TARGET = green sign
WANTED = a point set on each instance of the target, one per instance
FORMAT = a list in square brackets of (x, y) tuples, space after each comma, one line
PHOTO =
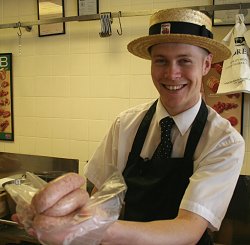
[(6, 101)]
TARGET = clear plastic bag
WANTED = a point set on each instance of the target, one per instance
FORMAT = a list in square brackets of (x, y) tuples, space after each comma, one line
[(85, 229)]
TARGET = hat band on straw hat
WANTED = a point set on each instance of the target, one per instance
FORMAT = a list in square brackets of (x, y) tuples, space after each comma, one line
[(180, 28), (180, 25)]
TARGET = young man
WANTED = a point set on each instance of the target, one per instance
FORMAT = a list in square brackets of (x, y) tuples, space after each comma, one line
[(182, 195), (175, 194)]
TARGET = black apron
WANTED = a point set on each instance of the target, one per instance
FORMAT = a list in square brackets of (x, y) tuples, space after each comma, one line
[(155, 188)]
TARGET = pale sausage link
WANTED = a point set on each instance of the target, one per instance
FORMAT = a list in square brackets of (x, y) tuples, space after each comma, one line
[(55, 190), (69, 203), (48, 223)]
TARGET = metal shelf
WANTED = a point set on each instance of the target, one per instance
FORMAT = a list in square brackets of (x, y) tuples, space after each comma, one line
[(207, 8)]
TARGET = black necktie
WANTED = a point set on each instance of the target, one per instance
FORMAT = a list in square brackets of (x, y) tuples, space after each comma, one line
[(164, 149)]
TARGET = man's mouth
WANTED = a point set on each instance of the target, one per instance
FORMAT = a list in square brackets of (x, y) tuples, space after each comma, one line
[(173, 87)]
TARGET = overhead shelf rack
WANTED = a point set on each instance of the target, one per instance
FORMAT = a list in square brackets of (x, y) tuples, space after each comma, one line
[(208, 8)]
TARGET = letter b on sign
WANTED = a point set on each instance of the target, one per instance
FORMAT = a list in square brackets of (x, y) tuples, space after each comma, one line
[(3, 61)]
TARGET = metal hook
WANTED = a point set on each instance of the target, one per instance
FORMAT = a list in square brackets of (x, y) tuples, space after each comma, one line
[(28, 28), (119, 32), (19, 28)]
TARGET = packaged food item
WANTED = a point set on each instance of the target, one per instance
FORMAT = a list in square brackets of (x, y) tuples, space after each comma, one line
[(235, 76), (213, 83), (83, 226)]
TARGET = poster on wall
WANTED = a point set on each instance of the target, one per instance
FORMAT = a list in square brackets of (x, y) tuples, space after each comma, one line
[(229, 106), (87, 7), (49, 10), (6, 102)]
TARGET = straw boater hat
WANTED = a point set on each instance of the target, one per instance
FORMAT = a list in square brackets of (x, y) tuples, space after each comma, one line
[(180, 26)]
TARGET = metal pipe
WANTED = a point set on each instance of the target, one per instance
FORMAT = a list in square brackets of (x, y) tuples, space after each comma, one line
[(208, 8)]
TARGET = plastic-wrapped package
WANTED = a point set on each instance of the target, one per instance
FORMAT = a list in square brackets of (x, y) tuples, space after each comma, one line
[(80, 227), (235, 76)]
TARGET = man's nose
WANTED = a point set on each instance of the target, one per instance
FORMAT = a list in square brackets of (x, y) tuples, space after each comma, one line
[(172, 72)]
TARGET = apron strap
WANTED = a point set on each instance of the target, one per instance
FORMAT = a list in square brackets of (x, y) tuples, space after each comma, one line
[(142, 132), (196, 130)]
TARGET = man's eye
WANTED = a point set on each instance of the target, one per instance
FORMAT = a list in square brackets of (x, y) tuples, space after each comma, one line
[(160, 62), (185, 61)]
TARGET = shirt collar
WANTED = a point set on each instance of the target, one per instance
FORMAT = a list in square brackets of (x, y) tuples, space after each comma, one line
[(184, 120)]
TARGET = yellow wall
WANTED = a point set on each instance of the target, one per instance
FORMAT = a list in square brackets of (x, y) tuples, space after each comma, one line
[(68, 88)]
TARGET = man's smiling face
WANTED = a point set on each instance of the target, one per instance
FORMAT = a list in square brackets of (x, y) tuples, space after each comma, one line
[(177, 70)]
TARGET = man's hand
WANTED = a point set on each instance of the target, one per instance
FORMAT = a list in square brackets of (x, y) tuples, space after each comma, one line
[(54, 208)]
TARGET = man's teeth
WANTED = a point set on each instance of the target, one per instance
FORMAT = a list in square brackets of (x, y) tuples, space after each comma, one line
[(174, 87)]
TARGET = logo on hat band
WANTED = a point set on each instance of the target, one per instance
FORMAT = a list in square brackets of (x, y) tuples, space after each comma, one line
[(180, 28), (165, 28)]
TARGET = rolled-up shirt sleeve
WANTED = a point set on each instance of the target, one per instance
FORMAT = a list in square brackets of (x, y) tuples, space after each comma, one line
[(214, 179)]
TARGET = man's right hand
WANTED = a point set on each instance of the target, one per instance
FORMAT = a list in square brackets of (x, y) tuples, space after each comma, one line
[(54, 208)]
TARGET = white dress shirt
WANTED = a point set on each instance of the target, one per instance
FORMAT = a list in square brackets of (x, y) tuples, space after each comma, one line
[(217, 160)]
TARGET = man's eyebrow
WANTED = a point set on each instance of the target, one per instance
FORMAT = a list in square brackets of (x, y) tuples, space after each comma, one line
[(158, 55), (178, 56), (185, 55)]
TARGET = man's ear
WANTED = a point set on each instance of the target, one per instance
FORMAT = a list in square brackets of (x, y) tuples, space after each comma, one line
[(207, 64)]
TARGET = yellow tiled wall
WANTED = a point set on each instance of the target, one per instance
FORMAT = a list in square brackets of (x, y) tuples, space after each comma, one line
[(68, 88)]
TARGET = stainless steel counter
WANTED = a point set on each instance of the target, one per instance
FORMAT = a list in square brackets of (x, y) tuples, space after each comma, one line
[(12, 164)]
